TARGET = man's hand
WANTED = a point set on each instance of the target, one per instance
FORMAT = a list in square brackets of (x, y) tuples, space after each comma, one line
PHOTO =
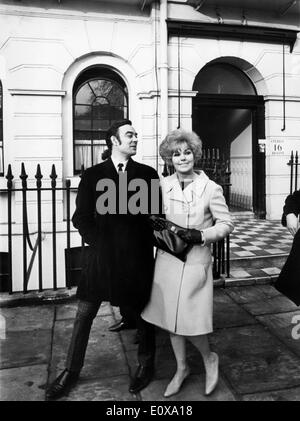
[(190, 236), (292, 223)]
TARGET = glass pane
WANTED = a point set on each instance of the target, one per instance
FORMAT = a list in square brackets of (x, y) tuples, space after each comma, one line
[(118, 113), (100, 124), (101, 87), (223, 79), (102, 111), (116, 96), (83, 118), (83, 124), (85, 135), (83, 111), (84, 95)]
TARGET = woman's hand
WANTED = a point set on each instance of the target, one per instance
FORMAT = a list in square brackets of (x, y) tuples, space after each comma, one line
[(156, 223), (190, 236), (292, 223)]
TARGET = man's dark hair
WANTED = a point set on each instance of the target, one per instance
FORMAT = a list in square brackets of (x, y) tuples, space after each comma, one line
[(114, 131)]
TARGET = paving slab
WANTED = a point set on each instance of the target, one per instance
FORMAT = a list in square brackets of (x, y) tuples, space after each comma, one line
[(104, 356), (286, 326), (253, 360), (278, 395), (25, 348), (253, 293), (227, 313), (192, 390), (277, 304), (23, 383), (111, 389), (28, 318), (68, 311)]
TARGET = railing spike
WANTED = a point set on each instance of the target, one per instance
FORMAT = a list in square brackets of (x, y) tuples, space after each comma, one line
[(9, 176), (38, 176), (53, 174), (23, 175)]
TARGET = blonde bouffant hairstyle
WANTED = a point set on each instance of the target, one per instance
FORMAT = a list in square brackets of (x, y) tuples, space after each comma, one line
[(175, 138)]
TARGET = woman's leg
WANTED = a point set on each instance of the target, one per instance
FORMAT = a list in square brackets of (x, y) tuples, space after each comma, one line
[(178, 345), (210, 359)]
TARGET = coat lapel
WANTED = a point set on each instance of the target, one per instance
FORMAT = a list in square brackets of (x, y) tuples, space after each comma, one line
[(131, 169), (196, 188), (110, 170)]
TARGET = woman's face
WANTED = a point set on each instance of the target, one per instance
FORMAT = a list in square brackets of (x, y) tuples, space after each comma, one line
[(183, 159)]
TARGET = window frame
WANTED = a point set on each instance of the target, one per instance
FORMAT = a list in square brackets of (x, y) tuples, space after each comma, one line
[(92, 74)]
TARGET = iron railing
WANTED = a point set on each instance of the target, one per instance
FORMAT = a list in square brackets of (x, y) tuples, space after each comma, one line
[(294, 163), (6, 272), (74, 256)]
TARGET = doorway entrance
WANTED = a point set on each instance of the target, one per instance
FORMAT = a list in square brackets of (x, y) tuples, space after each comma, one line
[(228, 116)]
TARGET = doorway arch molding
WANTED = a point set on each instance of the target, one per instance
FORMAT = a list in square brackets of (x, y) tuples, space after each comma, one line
[(246, 67)]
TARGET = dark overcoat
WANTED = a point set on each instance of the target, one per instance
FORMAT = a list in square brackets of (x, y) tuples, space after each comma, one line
[(288, 282), (120, 259)]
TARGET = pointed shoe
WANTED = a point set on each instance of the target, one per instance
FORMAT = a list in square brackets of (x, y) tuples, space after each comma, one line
[(212, 373), (174, 387), (62, 385)]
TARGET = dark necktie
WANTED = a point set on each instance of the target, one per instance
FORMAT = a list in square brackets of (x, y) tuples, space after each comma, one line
[(120, 167)]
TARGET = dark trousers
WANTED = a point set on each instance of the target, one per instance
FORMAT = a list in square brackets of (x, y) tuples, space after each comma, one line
[(85, 315)]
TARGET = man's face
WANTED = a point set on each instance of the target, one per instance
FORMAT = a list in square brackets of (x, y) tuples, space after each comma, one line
[(126, 141)]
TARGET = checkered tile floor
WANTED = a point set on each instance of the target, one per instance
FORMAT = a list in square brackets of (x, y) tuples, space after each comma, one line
[(256, 238)]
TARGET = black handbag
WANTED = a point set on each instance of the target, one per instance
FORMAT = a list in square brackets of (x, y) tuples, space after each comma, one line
[(168, 240)]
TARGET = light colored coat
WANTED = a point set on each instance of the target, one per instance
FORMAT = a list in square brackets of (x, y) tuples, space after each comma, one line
[(182, 292)]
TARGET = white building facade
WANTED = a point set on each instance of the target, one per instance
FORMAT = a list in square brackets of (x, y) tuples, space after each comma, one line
[(68, 69)]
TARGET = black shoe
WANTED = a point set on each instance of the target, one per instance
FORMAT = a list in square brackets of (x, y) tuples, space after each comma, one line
[(62, 385), (142, 378), (121, 325)]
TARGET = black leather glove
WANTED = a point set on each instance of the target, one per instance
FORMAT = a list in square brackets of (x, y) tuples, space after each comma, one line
[(190, 236), (156, 223)]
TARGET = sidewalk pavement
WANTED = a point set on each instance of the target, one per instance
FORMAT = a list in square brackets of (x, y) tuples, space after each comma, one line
[(253, 334)]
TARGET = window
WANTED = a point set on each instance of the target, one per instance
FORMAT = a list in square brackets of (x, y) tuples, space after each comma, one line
[(1, 132), (99, 98)]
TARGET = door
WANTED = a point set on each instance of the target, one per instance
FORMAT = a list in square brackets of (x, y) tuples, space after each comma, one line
[(233, 125)]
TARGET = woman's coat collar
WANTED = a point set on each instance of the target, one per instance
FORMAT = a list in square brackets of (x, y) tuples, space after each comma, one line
[(173, 189)]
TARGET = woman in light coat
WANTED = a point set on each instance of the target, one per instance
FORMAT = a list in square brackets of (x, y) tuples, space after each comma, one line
[(182, 293)]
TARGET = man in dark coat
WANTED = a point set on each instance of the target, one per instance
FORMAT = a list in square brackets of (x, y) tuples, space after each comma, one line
[(288, 282), (120, 260)]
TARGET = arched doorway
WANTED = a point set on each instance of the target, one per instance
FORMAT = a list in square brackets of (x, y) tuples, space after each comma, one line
[(100, 97), (228, 115)]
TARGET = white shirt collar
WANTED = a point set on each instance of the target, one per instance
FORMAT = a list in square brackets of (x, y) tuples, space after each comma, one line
[(117, 162)]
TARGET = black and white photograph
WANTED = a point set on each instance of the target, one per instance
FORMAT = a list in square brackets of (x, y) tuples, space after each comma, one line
[(149, 203)]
